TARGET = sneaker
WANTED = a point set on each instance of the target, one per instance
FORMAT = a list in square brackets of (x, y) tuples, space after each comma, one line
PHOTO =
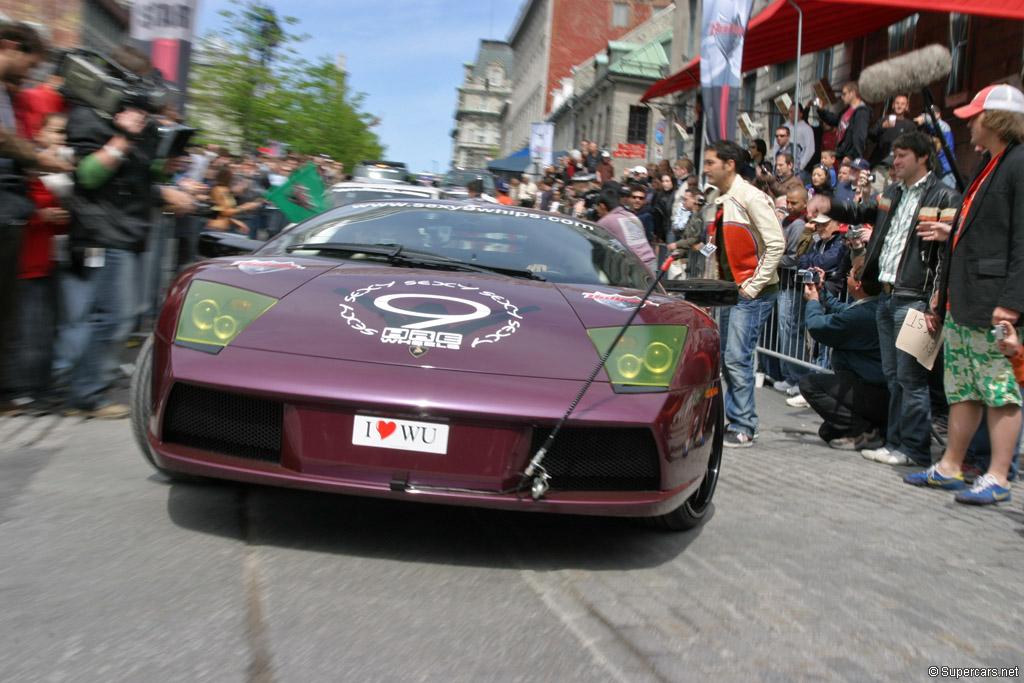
[(869, 441), (733, 439), (113, 411), (933, 478), (844, 443), (986, 491), (897, 458), (797, 401), (782, 386), (793, 391)]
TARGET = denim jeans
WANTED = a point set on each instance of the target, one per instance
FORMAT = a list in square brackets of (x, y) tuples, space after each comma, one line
[(103, 311), (740, 328), (910, 413)]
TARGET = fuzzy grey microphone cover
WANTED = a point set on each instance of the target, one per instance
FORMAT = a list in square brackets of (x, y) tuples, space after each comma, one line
[(905, 74)]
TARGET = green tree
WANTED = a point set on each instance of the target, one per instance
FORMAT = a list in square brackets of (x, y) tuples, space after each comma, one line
[(324, 118), (241, 78), (253, 81)]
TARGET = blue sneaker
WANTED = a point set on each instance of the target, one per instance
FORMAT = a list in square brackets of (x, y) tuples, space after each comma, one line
[(986, 491), (932, 478)]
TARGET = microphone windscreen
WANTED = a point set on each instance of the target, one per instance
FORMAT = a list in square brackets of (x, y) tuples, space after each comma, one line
[(905, 74)]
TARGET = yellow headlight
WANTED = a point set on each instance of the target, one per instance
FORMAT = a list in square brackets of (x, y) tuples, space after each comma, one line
[(215, 314), (204, 313), (647, 355), (629, 366), (658, 358)]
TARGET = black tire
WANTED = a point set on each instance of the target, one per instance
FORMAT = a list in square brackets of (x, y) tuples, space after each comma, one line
[(142, 407), (695, 508)]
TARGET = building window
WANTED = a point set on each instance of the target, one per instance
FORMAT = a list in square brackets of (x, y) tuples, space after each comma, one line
[(620, 15), (783, 70), (749, 93), (901, 34), (636, 133), (959, 32), (495, 75), (823, 64)]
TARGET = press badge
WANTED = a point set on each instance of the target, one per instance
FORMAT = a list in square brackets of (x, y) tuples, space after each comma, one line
[(94, 257), (708, 249)]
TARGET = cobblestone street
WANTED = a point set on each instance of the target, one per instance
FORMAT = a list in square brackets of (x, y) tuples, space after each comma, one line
[(815, 565)]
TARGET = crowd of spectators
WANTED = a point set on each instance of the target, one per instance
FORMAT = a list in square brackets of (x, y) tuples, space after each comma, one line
[(835, 245)]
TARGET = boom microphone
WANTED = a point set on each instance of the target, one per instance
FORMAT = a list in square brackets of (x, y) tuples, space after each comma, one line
[(905, 74)]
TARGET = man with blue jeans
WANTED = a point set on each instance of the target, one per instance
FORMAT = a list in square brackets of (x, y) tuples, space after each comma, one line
[(903, 260), (745, 245), (110, 221)]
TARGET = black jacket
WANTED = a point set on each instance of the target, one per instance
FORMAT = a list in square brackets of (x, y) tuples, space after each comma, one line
[(987, 267), (118, 214), (856, 136), (916, 270)]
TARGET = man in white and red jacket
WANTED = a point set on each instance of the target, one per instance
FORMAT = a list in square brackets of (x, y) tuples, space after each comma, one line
[(745, 245)]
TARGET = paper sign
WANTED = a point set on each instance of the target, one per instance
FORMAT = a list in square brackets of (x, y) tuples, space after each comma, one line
[(915, 339)]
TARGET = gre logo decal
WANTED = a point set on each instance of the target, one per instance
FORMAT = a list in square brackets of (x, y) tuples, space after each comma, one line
[(433, 319)]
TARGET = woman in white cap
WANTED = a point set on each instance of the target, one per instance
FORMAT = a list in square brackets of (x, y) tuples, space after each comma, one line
[(980, 285)]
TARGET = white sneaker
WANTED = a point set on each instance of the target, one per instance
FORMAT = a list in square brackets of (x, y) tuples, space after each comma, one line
[(783, 387), (794, 391), (797, 401), (895, 458), (876, 454)]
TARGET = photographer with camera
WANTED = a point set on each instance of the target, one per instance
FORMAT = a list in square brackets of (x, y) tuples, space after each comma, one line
[(904, 264), (853, 401), (111, 214)]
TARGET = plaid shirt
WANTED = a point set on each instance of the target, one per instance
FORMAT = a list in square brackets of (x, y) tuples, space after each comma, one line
[(899, 227)]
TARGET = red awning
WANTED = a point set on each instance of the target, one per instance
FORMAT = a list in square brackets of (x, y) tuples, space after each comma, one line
[(772, 34)]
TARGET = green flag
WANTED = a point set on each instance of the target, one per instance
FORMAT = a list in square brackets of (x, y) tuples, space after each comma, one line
[(301, 196)]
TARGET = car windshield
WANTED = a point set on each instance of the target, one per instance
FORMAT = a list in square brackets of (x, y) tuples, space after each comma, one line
[(558, 248), (350, 195), (460, 178)]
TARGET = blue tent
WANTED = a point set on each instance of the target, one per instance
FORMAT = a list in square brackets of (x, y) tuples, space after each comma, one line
[(513, 163)]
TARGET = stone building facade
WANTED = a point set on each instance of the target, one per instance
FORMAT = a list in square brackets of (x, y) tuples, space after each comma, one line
[(484, 93), (548, 39)]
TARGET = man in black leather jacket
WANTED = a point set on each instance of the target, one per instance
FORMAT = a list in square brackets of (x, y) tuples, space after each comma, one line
[(904, 264)]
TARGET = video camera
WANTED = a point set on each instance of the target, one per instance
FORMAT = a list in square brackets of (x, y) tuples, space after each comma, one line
[(97, 81)]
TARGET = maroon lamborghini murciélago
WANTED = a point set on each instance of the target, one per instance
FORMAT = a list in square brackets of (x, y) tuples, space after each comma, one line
[(426, 350)]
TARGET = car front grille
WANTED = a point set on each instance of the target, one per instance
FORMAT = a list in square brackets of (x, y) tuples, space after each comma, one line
[(217, 421), (600, 459)]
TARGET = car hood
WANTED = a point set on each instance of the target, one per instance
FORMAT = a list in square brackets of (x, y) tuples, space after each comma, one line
[(426, 318)]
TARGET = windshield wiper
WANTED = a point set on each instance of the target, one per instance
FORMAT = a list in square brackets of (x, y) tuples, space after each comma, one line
[(397, 255)]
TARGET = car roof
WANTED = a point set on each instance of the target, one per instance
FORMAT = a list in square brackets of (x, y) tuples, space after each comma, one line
[(409, 188)]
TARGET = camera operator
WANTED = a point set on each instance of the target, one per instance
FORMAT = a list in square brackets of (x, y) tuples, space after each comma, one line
[(853, 402), (586, 193), (904, 264), (111, 213), (20, 50)]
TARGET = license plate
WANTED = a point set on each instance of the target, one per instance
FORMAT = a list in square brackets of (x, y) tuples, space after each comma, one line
[(403, 435)]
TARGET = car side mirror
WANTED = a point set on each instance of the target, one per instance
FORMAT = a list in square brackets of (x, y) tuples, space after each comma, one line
[(213, 244), (706, 293)]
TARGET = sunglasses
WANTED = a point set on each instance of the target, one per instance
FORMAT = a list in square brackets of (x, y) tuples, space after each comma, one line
[(639, 196)]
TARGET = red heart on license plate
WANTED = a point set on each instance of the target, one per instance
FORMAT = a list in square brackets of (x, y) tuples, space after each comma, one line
[(386, 429)]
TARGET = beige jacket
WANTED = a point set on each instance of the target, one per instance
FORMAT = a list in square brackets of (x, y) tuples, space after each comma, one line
[(753, 237)]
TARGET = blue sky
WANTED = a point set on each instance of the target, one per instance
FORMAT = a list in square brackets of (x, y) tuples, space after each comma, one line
[(405, 55)]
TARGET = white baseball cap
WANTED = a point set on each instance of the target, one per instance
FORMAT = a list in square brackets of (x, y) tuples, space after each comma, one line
[(640, 169), (999, 97)]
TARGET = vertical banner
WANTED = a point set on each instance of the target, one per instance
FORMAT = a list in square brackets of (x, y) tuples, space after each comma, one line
[(542, 138), (724, 27), (164, 29)]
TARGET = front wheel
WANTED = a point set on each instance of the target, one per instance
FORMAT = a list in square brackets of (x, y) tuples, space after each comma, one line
[(695, 508), (142, 406)]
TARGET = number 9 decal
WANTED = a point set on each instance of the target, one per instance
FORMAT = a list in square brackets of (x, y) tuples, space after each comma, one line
[(433, 319)]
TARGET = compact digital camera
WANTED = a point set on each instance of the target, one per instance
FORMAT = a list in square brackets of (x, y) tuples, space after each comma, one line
[(808, 277)]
